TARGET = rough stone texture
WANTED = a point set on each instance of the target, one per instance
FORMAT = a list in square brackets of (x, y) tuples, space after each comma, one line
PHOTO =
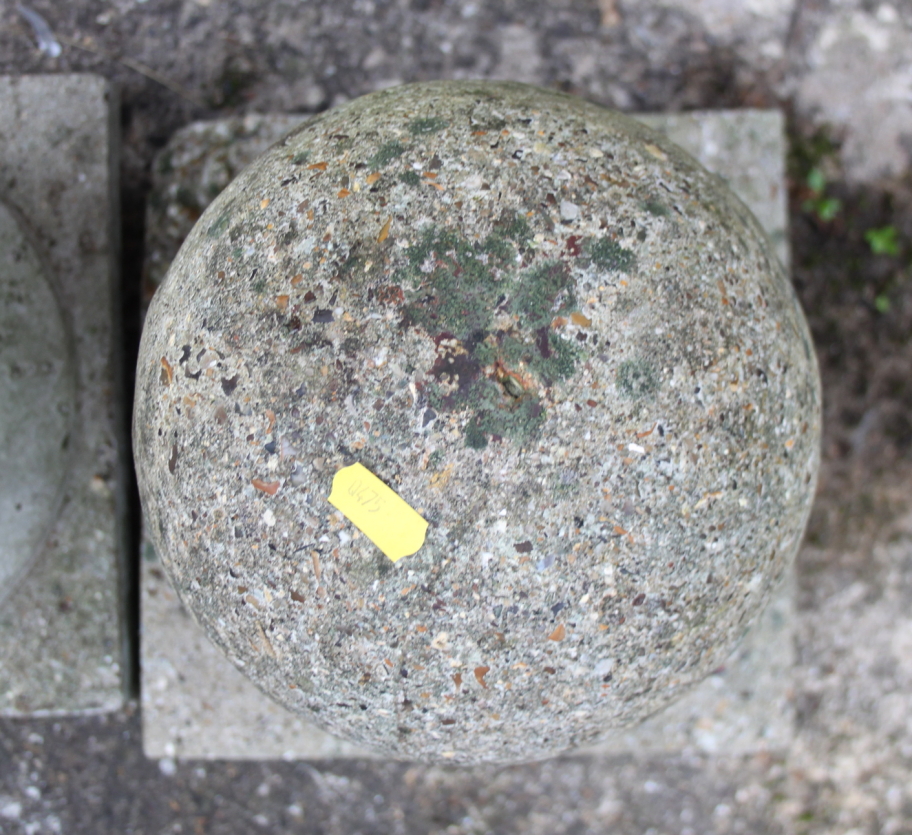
[(848, 770), (61, 644), (747, 149), (193, 169), (37, 391), (758, 30), (196, 705), (613, 479), (857, 82), (844, 65), (745, 706)]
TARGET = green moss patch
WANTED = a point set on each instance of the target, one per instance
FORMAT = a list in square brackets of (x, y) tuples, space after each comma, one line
[(457, 286), (220, 225), (637, 378), (456, 290), (423, 127), (385, 155), (610, 255), (656, 208), (544, 292)]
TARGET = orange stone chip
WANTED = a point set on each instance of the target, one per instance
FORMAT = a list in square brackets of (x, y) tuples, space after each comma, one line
[(559, 633), (270, 487)]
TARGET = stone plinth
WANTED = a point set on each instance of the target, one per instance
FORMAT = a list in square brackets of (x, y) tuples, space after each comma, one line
[(699, 722), (37, 402), (62, 645)]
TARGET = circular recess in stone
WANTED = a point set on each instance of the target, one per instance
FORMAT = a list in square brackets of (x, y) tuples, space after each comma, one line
[(37, 401), (558, 339)]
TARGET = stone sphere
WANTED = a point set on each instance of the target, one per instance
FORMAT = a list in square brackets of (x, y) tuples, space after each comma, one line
[(558, 339)]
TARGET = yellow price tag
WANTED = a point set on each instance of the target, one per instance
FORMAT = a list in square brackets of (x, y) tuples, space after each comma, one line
[(378, 512)]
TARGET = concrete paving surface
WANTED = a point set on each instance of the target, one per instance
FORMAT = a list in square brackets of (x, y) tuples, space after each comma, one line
[(841, 71)]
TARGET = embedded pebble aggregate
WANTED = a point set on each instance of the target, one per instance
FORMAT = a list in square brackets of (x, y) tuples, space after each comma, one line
[(552, 333)]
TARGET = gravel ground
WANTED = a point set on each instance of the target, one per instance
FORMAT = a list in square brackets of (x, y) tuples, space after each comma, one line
[(842, 72)]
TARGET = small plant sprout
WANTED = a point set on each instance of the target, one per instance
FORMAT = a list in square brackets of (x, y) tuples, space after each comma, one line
[(825, 208), (883, 241)]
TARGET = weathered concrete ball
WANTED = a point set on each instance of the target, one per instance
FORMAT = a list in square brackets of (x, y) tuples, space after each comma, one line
[(560, 341)]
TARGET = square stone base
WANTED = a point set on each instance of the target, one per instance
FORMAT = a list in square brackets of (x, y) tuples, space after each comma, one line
[(197, 705), (62, 643)]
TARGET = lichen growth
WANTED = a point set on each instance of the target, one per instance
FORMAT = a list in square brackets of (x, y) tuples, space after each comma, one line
[(494, 416), (220, 225), (457, 287), (517, 420), (423, 127), (637, 378), (610, 255), (656, 208), (475, 437), (545, 291), (515, 227), (385, 155), (562, 362)]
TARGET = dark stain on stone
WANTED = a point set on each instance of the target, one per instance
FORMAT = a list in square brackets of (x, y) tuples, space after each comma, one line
[(228, 386), (542, 340), (389, 294)]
